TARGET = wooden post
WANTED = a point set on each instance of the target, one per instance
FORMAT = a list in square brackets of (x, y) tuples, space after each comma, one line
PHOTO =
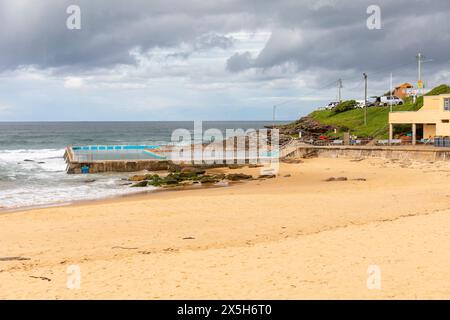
[(346, 138), (391, 133)]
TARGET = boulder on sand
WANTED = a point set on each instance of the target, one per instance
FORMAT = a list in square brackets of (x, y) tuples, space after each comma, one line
[(220, 176), (208, 179), (192, 170), (170, 181), (267, 176), (235, 166), (238, 176), (140, 184), (252, 165), (142, 177), (336, 179), (137, 178), (191, 173)]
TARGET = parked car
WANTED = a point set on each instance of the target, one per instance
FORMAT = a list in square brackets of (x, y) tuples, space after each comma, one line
[(388, 100), (360, 103), (373, 101)]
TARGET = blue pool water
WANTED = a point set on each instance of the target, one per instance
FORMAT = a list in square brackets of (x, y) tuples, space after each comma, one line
[(104, 148), (116, 152)]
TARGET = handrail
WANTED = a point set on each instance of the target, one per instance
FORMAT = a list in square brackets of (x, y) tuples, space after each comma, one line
[(373, 134)]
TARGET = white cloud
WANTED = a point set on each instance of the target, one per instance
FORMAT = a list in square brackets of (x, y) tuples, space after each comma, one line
[(284, 99), (73, 83), (5, 109), (171, 56)]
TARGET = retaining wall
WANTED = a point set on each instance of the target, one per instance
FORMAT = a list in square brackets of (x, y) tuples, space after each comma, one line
[(425, 154)]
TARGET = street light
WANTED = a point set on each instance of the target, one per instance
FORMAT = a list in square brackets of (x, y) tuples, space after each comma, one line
[(365, 98), (275, 106), (273, 116), (420, 61)]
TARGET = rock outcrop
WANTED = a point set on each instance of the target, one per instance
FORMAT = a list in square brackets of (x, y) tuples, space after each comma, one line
[(185, 177), (309, 127)]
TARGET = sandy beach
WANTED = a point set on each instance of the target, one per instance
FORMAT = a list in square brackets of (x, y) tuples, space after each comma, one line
[(297, 236)]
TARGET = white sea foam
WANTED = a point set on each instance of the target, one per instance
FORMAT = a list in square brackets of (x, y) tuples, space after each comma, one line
[(43, 180)]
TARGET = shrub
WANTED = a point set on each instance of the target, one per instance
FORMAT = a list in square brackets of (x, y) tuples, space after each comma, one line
[(345, 106), (442, 89)]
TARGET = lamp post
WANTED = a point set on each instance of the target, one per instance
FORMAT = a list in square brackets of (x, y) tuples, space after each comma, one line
[(365, 98), (390, 94), (420, 60), (273, 116)]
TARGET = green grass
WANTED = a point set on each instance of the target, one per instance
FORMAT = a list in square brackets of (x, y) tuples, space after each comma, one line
[(377, 117), (353, 120)]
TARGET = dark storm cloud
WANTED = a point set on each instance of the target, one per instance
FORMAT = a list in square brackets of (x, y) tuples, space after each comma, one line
[(239, 62), (35, 33), (203, 43), (208, 41), (333, 35), (323, 34)]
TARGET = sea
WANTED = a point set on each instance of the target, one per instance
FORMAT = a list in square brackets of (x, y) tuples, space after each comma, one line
[(33, 171)]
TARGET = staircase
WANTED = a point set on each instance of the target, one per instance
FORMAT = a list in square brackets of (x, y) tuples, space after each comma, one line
[(289, 147)]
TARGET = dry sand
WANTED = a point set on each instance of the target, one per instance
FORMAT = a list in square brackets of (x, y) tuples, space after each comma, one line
[(295, 237)]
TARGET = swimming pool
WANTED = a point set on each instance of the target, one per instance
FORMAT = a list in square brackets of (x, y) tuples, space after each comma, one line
[(118, 152), (152, 152)]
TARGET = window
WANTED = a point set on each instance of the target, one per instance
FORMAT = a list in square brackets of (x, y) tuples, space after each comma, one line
[(447, 104), (445, 121)]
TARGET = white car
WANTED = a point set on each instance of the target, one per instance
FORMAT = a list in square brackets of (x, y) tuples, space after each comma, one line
[(388, 100), (360, 103), (373, 101)]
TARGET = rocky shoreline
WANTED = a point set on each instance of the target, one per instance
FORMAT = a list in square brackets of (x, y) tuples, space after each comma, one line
[(310, 128), (190, 176)]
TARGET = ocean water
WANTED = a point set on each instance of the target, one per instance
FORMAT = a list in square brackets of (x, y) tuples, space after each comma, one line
[(32, 168)]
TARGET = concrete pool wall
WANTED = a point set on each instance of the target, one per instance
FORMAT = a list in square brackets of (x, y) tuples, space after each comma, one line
[(125, 158), (100, 160)]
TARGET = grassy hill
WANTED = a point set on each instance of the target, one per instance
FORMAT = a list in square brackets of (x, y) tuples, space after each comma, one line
[(377, 117)]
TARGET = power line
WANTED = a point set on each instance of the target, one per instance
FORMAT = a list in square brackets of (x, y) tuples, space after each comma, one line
[(390, 68), (339, 82), (365, 98)]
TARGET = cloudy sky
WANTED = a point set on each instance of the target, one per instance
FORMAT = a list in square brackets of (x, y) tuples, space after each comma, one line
[(209, 60)]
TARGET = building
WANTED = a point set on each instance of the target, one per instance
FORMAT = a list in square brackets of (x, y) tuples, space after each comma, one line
[(433, 119), (403, 90)]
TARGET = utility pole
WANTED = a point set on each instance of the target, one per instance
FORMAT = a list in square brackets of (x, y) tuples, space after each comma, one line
[(420, 60), (419, 74), (273, 116), (365, 98), (390, 93), (419, 70), (339, 89)]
